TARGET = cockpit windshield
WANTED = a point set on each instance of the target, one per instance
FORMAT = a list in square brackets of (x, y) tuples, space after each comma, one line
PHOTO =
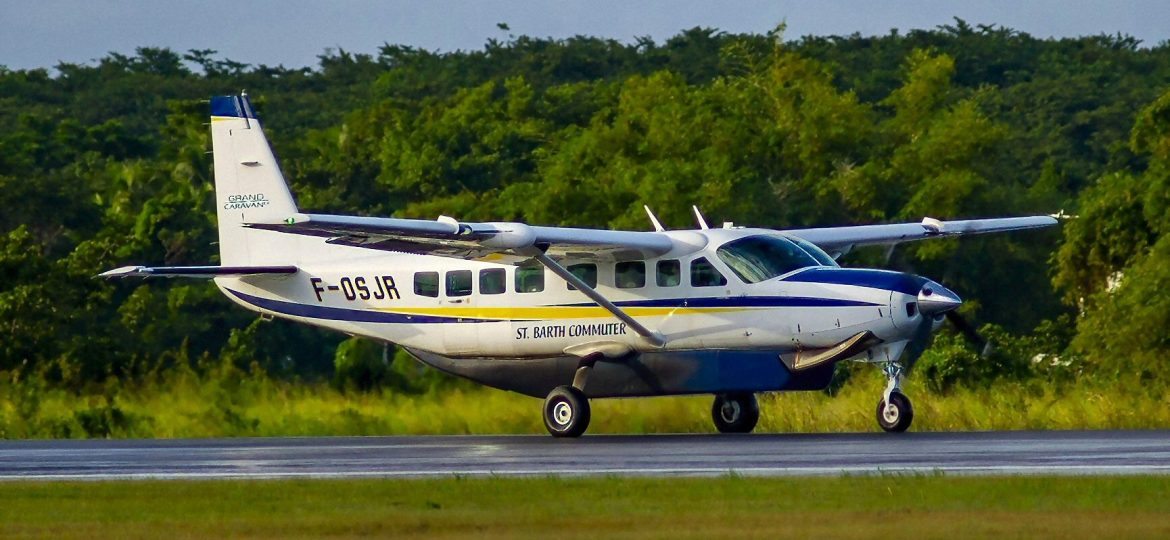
[(816, 252), (758, 258)]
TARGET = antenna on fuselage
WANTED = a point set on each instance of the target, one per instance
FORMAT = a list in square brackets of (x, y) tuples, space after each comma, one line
[(653, 219), (699, 217)]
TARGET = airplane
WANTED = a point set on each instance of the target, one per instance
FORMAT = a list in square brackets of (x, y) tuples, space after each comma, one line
[(573, 314)]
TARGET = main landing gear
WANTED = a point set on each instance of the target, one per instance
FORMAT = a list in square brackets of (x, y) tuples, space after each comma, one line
[(894, 412), (735, 413), (566, 409), (566, 412)]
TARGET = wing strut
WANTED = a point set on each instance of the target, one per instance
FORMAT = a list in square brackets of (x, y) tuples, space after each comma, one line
[(654, 338)]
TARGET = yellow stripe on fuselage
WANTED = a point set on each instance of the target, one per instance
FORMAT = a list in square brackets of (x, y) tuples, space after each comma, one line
[(552, 312)]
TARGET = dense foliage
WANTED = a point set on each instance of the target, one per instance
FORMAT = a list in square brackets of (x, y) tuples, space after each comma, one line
[(103, 165)]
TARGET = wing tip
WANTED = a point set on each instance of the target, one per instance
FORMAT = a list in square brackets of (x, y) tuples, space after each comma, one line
[(124, 271)]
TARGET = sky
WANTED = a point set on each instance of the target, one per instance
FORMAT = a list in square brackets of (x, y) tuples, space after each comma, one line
[(293, 33)]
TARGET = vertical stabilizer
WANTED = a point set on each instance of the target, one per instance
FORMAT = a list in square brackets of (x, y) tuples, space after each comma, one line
[(249, 187)]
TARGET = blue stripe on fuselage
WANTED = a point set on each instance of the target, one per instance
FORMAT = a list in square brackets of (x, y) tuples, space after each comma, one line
[(343, 314), (361, 315), (741, 301), (873, 279)]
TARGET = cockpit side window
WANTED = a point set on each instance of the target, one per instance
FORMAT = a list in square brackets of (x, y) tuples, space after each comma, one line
[(704, 274), (758, 258)]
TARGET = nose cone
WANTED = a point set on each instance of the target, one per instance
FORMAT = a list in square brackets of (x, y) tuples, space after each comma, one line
[(934, 299)]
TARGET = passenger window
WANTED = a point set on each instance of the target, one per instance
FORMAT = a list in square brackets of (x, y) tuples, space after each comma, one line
[(704, 274), (529, 279), (629, 274), (669, 273), (426, 284), (459, 283), (492, 281), (586, 272)]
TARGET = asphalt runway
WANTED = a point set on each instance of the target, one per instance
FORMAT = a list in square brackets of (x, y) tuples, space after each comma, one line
[(985, 453)]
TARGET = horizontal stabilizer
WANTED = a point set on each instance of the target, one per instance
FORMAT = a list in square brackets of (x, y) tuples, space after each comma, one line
[(195, 271)]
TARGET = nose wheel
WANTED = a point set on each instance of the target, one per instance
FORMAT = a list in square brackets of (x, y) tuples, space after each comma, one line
[(894, 412), (735, 413), (566, 412)]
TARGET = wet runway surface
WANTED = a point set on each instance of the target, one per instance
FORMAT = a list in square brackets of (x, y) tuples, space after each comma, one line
[(986, 453)]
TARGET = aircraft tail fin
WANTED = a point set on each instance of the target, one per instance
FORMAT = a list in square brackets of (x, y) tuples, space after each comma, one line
[(249, 187)]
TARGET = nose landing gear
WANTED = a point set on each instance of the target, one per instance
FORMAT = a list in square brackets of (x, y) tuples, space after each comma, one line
[(735, 412), (894, 412)]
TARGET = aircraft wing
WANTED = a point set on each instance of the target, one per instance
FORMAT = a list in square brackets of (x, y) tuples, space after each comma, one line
[(841, 239), (494, 240)]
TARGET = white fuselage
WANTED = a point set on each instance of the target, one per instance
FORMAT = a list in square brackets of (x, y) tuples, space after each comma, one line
[(423, 302)]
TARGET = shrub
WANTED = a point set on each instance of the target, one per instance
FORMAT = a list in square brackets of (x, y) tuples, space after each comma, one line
[(361, 364)]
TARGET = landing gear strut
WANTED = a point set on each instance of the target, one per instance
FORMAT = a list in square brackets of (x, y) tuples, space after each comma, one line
[(894, 412), (735, 412)]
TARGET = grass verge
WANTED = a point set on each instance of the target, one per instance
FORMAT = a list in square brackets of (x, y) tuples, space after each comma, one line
[(259, 406), (725, 507)]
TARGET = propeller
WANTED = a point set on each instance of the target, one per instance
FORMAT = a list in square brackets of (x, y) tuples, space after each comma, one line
[(918, 343), (968, 330), (933, 306)]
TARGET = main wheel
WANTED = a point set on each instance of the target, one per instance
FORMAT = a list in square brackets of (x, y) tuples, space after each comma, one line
[(895, 417), (735, 413), (566, 412)]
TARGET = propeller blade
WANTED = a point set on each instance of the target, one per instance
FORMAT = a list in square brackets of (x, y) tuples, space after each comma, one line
[(968, 330), (918, 344)]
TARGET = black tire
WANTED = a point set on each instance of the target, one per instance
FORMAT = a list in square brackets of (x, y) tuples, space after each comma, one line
[(566, 412), (735, 413), (897, 418)]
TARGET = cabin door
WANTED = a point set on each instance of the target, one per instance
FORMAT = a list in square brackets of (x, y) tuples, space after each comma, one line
[(460, 337)]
